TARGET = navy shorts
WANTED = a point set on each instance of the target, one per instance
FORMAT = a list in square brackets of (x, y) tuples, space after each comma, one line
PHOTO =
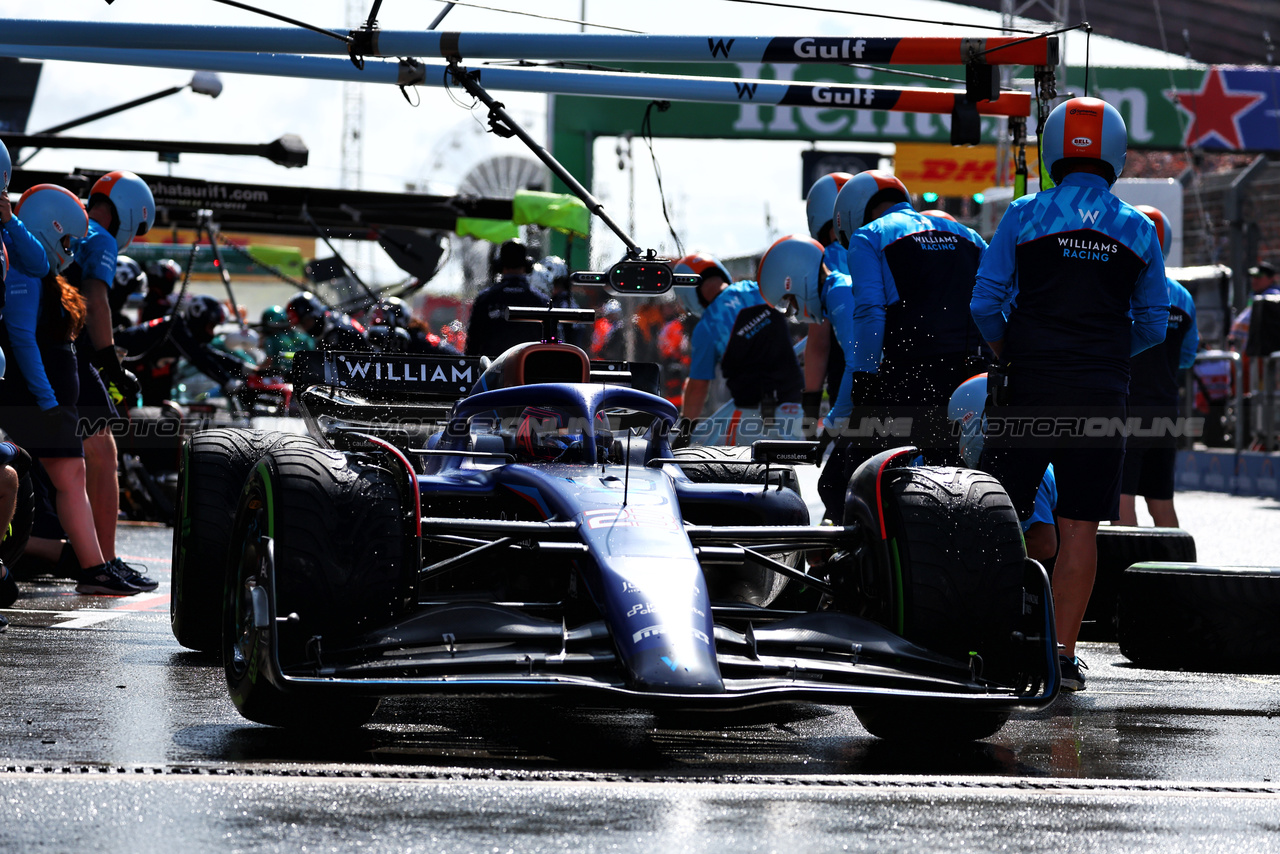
[(43, 434), (1149, 472), (95, 405), (1079, 430)]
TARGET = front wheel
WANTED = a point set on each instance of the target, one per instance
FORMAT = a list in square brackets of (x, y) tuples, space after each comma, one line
[(320, 561)]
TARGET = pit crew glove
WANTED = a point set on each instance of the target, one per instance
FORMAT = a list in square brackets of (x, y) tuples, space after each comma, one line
[(121, 384), (863, 389)]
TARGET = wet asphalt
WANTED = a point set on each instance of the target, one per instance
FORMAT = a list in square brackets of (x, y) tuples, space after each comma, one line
[(114, 738)]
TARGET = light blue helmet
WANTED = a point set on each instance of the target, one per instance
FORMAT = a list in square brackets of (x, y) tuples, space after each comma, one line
[(967, 408), (855, 197), (135, 207), (790, 277), (821, 201), (4, 264), (6, 168), (53, 215), (1084, 129), (698, 264)]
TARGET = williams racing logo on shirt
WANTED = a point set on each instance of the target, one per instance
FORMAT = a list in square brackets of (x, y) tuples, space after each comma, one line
[(1087, 250), (936, 241)]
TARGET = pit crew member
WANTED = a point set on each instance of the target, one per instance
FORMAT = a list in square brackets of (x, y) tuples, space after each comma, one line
[(331, 330), (1071, 289), (743, 335), (488, 333), (1151, 452), (163, 341)]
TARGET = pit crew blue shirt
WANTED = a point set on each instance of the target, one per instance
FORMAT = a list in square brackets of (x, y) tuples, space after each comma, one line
[(1154, 372), (25, 252), (1046, 500), (95, 256), (1074, 283), (711, 334), (22, 314), (907, 292)]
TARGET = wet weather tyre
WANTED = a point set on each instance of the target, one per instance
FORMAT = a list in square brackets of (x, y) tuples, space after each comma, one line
[(335, 569), (15, 539), (931, 725), (1218, 619), (1120, 547), (212, 471), (719, 464), (957, 559)]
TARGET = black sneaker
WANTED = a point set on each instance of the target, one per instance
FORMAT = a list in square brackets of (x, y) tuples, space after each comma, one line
[(8, 587), (1072, 673), (104, 580), (132, 576)]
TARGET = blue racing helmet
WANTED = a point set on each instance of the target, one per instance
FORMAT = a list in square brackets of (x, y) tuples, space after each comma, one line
[(54, 216), (790, 277), (859, 195), (821, 201), (1084, 129), (6, 168), (967, 408), (703, 265), (134, 206)]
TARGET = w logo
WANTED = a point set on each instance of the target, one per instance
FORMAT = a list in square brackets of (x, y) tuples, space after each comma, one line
[(1089, 217), (748, 89), (720, 46)]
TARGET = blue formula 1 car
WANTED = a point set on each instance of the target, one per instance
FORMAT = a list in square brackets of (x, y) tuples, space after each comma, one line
[(524, 529)]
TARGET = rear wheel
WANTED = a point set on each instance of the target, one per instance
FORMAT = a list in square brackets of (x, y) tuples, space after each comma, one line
[(335, 568), (212, 471), (717, 464)]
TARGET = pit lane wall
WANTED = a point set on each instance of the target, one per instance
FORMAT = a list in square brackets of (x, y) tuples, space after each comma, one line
[(1247, 473)]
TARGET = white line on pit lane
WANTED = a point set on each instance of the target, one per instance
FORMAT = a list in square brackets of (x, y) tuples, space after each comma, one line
[(92, 616)]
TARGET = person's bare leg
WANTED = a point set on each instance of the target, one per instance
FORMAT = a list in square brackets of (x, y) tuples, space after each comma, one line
[(1162, 512), (103, 487), (68, 476), (8, 496), (1073, 576), (1128, 510)]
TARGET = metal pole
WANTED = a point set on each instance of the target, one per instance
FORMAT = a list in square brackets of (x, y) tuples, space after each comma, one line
[(606, 84), (581, 46), (471, 83)]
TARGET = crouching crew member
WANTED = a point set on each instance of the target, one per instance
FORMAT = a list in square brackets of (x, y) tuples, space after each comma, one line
[(742, 334)]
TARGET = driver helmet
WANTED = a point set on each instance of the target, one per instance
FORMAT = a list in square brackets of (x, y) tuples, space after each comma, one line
[(274, 320), (202, 314), (54, 216), (392, 312), (307, 312), (967, 409), (546, 435), (1164, 229), (1084, 129), (133, 208), (790, 277), (130, 277), (163, 276), (549, 272), (612, 309), (937, 214), (821, 201), (703, 265), (859, 195)]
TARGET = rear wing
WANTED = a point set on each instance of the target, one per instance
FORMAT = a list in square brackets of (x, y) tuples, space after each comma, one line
[(436, 376)]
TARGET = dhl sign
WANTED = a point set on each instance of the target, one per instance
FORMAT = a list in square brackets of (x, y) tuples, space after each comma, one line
[(951, 171)]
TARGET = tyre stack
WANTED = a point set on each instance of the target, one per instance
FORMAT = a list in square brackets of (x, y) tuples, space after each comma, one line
[(1185, 616), (1120, 547)]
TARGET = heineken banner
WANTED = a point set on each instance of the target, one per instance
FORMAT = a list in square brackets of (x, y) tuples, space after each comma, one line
[(1220, 108)]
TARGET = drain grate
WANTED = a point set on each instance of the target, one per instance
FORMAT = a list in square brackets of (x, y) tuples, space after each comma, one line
[(1052, 784)]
